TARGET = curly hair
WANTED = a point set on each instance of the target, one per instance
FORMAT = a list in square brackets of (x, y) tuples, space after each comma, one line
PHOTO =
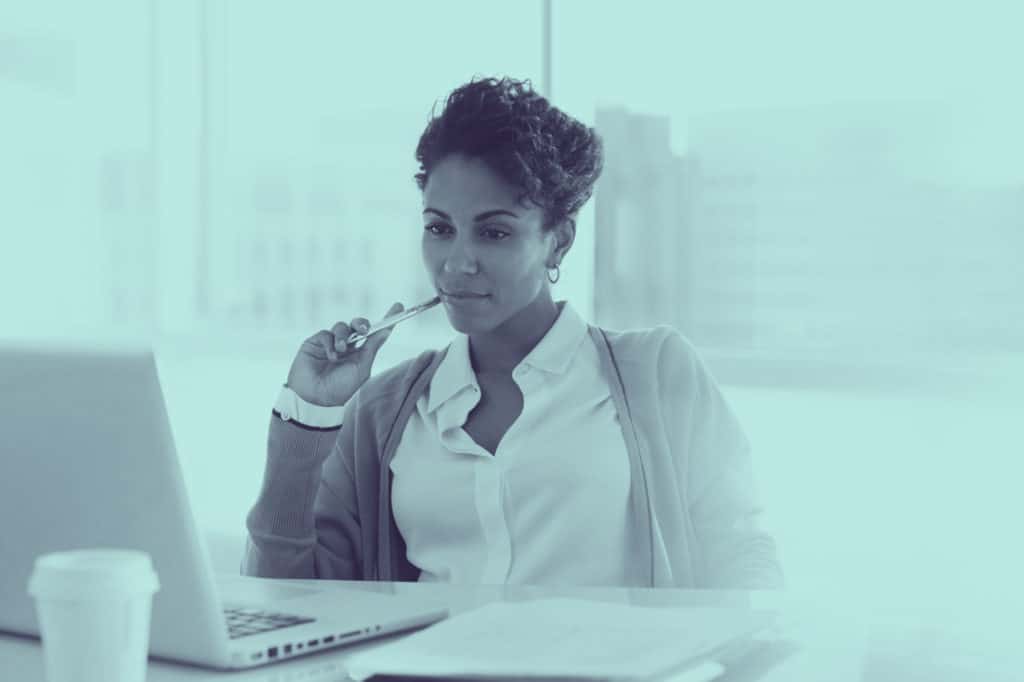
[(553, 158)]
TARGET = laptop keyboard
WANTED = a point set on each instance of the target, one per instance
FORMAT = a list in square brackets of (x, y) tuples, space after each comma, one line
[(243, 621)]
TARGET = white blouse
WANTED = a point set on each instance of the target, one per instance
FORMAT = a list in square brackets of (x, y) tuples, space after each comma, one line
[(550, 506)]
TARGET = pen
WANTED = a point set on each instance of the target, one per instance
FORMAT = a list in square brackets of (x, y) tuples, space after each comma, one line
[(392, 320)]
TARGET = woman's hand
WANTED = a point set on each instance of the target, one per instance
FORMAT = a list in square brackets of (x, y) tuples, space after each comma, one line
[(327, 371)]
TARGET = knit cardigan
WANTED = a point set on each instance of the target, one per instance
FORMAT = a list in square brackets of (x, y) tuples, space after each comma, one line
[(324, 509)]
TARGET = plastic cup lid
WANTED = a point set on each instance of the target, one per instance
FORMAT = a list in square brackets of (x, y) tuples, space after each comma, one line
[(92, 574)]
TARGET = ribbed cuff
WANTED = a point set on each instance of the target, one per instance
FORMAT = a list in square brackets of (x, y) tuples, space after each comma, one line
[(295, 457)]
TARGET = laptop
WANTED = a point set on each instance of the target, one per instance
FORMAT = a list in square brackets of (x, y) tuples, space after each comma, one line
[(89, 461)]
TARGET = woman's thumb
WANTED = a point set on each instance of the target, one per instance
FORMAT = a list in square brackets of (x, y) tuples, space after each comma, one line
[(375, 341)]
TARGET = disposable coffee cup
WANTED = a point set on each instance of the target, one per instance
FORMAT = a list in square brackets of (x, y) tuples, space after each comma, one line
[(94, 608)]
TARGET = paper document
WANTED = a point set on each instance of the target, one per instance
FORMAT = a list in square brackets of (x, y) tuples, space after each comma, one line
[(562, 638)]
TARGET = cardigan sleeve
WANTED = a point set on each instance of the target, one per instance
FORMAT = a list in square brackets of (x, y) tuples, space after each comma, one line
[(716, 477), (302, 525)]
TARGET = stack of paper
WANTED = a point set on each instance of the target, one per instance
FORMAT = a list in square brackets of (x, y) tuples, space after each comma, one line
[(562, 638)]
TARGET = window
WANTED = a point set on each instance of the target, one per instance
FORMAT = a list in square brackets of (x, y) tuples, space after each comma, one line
[(850, 230), (788, 130)]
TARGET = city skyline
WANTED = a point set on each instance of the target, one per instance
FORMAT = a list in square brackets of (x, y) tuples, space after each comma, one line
[(783, 242)]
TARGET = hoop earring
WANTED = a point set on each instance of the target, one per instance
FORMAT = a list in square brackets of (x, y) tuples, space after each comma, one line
[(558, 274)]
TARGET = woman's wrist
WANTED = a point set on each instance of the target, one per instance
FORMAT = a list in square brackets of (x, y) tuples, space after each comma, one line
[(290, 406)]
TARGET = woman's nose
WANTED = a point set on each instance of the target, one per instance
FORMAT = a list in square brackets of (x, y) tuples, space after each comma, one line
[(461, 260)]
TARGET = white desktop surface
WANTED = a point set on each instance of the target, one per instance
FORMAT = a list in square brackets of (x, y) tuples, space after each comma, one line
[(837, 641)]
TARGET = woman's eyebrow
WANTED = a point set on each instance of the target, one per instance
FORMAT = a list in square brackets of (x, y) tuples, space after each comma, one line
[(483, 216)]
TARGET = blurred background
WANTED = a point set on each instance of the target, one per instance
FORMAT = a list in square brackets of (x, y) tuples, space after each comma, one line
[(828, 199)]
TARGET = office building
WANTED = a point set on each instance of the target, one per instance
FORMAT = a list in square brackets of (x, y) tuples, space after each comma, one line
[(309, 242), (861, 247), (674, 245), (640, 223), (823, 231)]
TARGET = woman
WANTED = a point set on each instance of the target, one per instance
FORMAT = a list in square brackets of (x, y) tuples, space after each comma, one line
[(535, 448)]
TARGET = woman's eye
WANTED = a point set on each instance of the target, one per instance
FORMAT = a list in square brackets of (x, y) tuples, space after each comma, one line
[(490, 233), (495, 234)]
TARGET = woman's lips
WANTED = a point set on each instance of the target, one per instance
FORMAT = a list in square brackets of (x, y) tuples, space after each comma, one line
[(462, 298)]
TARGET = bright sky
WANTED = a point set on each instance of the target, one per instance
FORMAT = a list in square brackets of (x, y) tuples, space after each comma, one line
[(691, 58)]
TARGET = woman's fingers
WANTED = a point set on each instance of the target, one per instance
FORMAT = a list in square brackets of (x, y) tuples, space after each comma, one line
[(339, 338), (373, 343), (335, 342), (359, 325), (320, 344)]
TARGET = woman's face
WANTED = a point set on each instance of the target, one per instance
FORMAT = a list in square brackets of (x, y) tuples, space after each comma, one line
[(484, 251)]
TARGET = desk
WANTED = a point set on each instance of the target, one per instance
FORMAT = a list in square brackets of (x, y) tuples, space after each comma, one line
[(837, 641)]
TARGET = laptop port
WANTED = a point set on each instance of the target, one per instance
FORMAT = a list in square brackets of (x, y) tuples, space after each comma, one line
[(272, 652), (328, 640), (313, 642), (298, 647), (287, 649), (353, 633), (257, 656)]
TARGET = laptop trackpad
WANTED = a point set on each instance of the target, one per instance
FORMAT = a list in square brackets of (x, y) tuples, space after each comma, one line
[(259, 590)]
